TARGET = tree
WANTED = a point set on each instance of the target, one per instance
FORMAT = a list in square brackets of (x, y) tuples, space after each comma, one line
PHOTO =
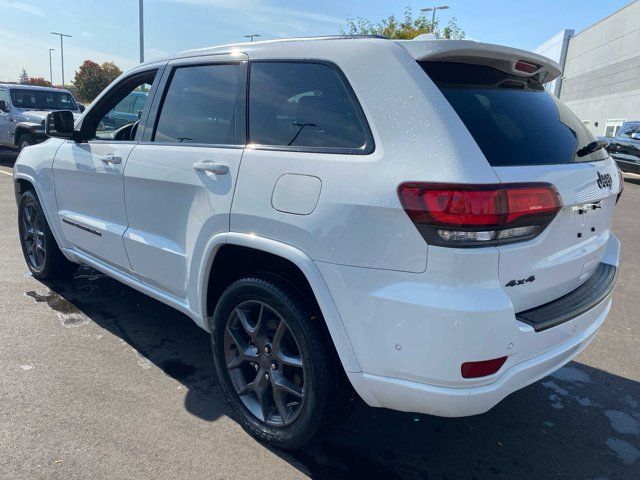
[(91, 78), (110, 71), (39, 81), (405, 28), (23, 78)]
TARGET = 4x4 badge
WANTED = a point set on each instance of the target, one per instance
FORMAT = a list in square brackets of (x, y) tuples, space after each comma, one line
[(604, 180)]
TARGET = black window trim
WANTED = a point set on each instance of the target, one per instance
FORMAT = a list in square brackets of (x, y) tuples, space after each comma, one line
[(369, 145), (149, 139)]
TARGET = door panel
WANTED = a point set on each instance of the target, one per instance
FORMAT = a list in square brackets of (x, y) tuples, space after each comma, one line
[(179, 181), (174, 209), (90, 198)]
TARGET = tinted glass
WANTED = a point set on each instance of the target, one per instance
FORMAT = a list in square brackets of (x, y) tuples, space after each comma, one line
[(302, 105), (42, 99), (200, 106), (514, 120), (629, 130), (122, 114)]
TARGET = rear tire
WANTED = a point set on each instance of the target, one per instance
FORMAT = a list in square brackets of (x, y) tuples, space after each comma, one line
[(250, 349), (39, 247)]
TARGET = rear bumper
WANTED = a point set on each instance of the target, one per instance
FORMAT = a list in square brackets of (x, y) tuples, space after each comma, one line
[(412, 332), (410, 396)]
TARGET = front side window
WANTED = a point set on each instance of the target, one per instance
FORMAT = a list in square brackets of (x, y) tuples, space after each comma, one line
[(32, 99), (201, 105), (300, 105), (120, 122), (630, 130)]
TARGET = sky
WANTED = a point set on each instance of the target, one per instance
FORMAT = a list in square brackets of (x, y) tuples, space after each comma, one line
[(107, 30)]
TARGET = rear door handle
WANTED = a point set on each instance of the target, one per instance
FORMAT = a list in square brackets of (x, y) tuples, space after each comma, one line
[(111, 158), (216, 168)]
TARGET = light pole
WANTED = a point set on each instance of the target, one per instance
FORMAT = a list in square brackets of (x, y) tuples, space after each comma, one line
[(141, 21), (61, 52), (433, 15), (50, 67), (250, 37)]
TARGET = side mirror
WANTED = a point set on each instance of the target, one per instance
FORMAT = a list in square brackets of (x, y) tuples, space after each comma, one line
[(635, 135), (3, 106), (81, 107), (59, 124)]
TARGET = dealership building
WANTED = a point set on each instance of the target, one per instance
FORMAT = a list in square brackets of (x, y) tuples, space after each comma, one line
[(601, 70)]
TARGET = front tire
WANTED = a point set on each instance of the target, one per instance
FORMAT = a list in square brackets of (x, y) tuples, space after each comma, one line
[(25, 141), (39, 247), (275, 362)]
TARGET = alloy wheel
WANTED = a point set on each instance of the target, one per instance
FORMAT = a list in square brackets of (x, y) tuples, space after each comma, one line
[(33, 236), (264, 363)]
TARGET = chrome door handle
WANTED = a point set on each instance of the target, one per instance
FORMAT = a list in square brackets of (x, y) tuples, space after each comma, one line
[(111, 158), (211, 167)]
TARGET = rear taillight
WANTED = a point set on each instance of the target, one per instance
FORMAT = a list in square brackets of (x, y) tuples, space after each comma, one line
[(475, 215), (621, 177)]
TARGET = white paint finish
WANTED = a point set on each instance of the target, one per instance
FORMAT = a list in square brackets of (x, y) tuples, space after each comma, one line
[(174, 210), (460, 401), (90, 193), (297, 194)]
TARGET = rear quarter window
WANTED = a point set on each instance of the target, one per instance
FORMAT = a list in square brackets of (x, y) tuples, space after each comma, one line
[(514, 120), (304, 106)]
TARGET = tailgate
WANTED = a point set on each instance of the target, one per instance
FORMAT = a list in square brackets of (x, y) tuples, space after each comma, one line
[(570, 249)]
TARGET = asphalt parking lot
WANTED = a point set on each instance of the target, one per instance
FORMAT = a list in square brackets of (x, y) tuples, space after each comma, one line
[(99, 381)]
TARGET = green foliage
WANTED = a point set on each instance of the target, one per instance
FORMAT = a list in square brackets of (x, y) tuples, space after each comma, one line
[(404, 29), (91, 78)]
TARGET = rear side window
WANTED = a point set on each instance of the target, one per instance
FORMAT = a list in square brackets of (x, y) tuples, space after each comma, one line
[(304, 106), (200, 106), (513, 119)]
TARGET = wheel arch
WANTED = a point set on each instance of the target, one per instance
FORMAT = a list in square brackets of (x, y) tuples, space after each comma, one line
[(282, 254)]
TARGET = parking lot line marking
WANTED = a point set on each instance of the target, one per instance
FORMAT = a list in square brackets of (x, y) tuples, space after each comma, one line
[(6, 173)]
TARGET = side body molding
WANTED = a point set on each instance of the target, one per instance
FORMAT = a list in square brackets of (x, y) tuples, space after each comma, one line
[(308, 268)]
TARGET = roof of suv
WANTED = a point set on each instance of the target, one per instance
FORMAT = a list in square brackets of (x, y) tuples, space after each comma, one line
[(423, 47), (33, 87)]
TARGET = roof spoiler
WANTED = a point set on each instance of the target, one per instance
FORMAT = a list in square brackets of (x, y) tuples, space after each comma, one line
[(509, 60)]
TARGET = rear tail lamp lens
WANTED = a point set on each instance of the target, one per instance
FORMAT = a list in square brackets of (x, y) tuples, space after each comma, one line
[(472, 215), (481, 369)]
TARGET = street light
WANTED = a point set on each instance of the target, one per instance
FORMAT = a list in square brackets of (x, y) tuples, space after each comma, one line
[(433, 14), (50, 67), (250, 37), (61, 52), (141, 21)]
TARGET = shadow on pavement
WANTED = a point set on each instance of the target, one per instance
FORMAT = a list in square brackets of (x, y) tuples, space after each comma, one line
[(7, 157), (581, 423)]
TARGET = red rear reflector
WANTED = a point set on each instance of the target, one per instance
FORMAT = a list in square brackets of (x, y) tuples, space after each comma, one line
[(481, 369), (526, 67)]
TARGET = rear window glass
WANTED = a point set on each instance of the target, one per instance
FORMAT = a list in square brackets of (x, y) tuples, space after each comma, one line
[(302, 105), (514, 120)]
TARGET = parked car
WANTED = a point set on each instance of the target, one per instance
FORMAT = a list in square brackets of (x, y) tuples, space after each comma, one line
[(409, 220), (23, 109), (126, 112), (625, 147)]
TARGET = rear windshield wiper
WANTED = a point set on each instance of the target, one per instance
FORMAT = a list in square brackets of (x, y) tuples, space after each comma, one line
[(592, 147)]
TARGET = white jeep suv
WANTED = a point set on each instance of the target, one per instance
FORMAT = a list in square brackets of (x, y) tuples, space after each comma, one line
[(418, 221)]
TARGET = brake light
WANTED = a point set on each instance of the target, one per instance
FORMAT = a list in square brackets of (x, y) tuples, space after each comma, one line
[(481, 369), (526, 67), (621, 177), (473, 215)]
